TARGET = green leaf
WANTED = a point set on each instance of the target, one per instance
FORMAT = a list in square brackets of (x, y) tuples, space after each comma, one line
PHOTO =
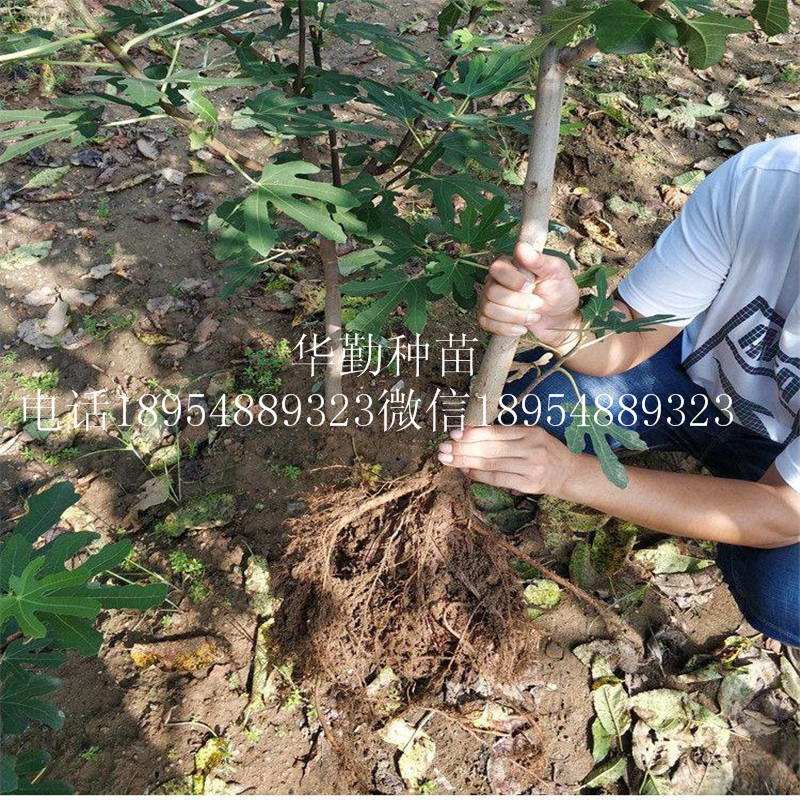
[(705, 37), (453, 277), (45, 509), (108, 557), (444, 188), (404, 104), (382, 38), (128, 596), (623, 27), (397, 289), (142, 93), (21, 703), (24, 652), (8, 775), (63, 547), (201, 108), (478, 229), (47, 177), (30, 596), (599, 431), (25, 255), (75, 125), (260, 234), (448, 18), (15, 554), (484, 75), (772, 16), (73, 633), (666, 558), (601, 741), (561, 25), (611, 706), (31, 762), (607, 773), (282, 186)]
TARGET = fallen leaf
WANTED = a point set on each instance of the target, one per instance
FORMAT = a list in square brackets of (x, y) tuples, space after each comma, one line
[(689, 181), (607, 773), (667, 558), (129, 183), (739, 689), (88, 158), (153, 492), (258, 584), (701, 777), (492, 716), (25, 255), (205, 330), (174, 176), (200, 513), (541, 594), (148, 148), (77, 298), (44, 296), (710, 164), (385, 692), (98, 272), (196, 654), (47, 177), (601, 232), (790, 680)]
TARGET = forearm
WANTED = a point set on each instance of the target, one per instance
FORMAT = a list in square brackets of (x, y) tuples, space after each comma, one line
[(695, 506), (618, 352)]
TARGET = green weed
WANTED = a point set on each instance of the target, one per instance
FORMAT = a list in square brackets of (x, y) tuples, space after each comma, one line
[(261, 373), (100, 326), (43, 381)]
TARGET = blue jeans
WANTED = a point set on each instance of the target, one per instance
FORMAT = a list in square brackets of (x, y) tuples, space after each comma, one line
[(764, 582)]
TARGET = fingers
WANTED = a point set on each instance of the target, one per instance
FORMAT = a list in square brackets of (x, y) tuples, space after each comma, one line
[(491, 433), (540, 264), (507, 275), (506, 311), (502, 480), (488, 450)]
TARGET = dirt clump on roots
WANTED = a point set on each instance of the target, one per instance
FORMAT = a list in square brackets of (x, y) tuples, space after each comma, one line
[(397, 578)]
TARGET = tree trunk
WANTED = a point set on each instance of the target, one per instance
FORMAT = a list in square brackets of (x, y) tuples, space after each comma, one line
[(538, 188)]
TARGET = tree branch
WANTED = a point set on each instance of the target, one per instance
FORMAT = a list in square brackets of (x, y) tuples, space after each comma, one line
[(372, 167), (333, 139), (570, 56), (301, 47), (79, 8)]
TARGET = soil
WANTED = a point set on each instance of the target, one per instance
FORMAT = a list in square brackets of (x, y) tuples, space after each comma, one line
[(131, 729)]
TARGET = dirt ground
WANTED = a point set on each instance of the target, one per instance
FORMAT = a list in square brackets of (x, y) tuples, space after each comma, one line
[(148, 712)]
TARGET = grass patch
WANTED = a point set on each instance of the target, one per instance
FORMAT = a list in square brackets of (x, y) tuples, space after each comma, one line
[(262, 369), (43, 381)]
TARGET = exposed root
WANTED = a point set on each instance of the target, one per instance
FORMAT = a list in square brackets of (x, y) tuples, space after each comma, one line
[(399, 579), (615, 624)]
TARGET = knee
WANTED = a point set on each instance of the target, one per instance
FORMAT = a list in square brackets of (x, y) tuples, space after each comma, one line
[(766, 587)]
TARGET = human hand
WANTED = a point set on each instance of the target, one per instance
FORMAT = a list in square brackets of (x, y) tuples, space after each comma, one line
[(550, 311), (526, 459)]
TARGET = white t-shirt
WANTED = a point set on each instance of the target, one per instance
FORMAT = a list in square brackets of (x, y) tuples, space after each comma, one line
[(729, 268)]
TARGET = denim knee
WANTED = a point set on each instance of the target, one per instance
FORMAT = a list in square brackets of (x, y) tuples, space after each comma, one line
[(766, 586)]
